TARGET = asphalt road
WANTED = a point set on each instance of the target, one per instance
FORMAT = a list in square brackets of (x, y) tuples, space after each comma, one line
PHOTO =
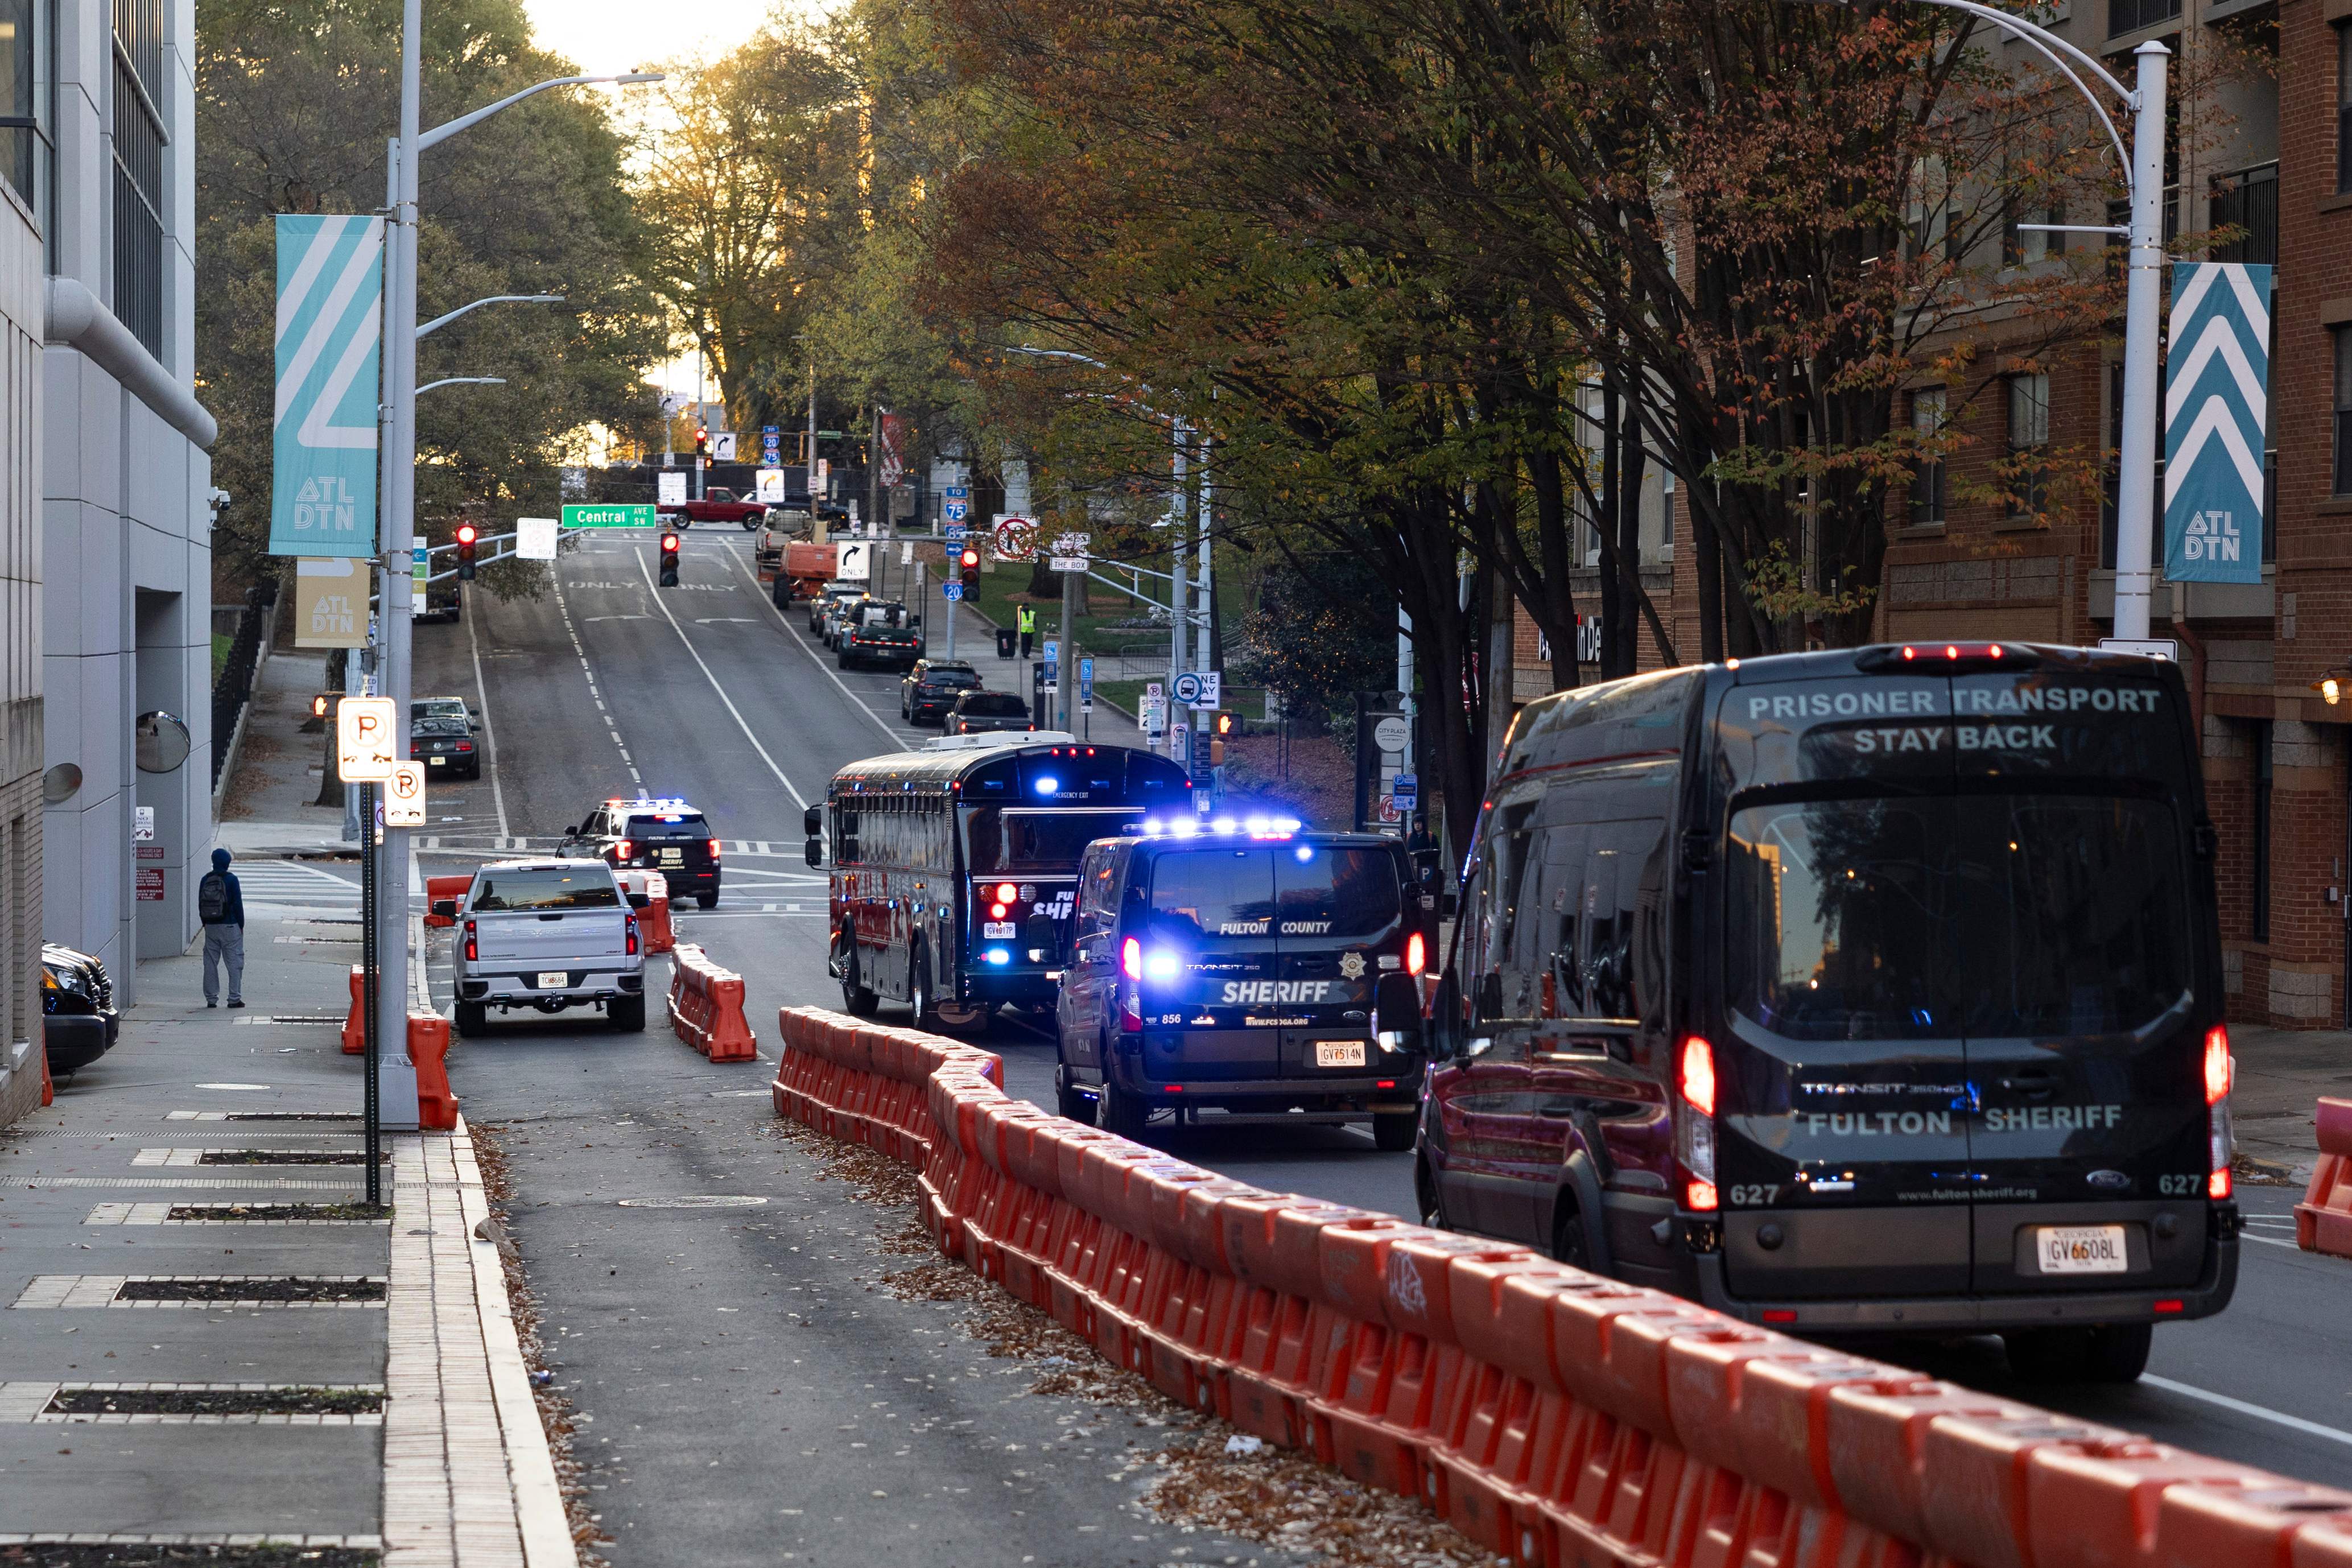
[(706, 691)]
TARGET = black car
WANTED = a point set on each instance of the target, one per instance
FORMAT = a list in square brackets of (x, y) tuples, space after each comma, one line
[(79, 1022), (441, 732), (979, 712), (881, 632), (666, 836), (1232, 966), (932, 686)]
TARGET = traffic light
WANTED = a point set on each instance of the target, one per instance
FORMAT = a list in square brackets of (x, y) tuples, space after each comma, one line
[(970, 564), (702, 445), (669, 561), (468, 538), (1217, 740)]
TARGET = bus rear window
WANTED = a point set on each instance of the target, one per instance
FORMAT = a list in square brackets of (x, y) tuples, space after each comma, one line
[(1045, 843)]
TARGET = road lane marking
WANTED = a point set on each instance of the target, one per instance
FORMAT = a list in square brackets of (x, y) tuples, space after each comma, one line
[(489, 733), (2260, 1413), (2271, 1241), (588, 670), (895, 739), (798, 799)]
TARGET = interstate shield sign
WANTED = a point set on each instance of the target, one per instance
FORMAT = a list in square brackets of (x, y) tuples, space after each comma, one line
[(329, 337), (2216, 413)]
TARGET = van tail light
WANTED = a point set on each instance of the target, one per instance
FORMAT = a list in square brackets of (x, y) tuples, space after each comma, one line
[(473, 948), (714, 850), (2220, 1069), (632, 936), (1416, 954), (1695, 1124), (1130, 1019), (1130, 959), (627, 849)]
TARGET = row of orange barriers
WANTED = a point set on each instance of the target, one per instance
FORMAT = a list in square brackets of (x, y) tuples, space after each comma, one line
[(428, 1048), (705, 1006), (2322, 1221), (1554, 1416)]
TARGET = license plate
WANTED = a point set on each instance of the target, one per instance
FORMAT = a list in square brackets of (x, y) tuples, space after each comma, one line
[(437, 762), (990, 929), (553, 980), (673, 856), (1338, 1053), (2081, 1248)]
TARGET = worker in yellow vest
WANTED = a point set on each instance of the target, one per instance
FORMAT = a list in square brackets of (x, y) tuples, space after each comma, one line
[(1028, 623)]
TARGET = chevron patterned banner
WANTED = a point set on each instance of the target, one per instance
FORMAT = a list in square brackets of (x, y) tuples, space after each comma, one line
[(2216, 412), (329, 335)]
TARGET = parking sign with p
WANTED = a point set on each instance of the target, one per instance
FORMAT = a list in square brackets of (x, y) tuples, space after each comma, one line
[(366, 739)]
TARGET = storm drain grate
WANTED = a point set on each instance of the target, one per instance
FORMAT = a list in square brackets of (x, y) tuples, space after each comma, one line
[(288, 1157), (246, 1403), (190, 1551), (291, 1115), (238, 1214), (154, 1290)]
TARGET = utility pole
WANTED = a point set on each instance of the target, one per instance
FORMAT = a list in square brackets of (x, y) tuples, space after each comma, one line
[(1066, 694), (1179, 499), (816, 522)]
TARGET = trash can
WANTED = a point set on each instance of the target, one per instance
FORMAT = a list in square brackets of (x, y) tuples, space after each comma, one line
[(1005, 638)]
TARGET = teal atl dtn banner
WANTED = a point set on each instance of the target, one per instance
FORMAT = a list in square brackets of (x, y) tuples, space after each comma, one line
[(2216, 412), (329, 338)]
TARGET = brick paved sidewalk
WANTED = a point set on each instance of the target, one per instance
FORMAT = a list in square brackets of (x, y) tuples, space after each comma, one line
[(452, 1467)]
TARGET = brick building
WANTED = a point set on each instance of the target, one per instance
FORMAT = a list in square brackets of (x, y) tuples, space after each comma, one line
[(2271, 162)]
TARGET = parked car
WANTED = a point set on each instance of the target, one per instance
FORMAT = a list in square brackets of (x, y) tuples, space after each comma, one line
[(932, 686), (979, 712), (546, 935), (79, 1022), (441, 732), (834, 609), (717, 505)]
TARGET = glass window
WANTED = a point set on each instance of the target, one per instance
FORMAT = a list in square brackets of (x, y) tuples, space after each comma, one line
[(669, 825), (2029, 435), (1335, 892), (1214, 893), (2248, 201), (2259, 850), (2342, 421), (1044, 842), (25, 147), (139, 87), (991, 705), (2130, 16), (1928, 407), (548, 887), (2344, 106), (1937, 919)]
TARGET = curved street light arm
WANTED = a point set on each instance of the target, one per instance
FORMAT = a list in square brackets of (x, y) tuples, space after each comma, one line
[(441, 133), (462, 381), (2047, 44), (439, 322)]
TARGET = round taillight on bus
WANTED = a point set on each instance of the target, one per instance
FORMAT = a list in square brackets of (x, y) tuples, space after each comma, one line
[(1006, 892), (1697, 1075)]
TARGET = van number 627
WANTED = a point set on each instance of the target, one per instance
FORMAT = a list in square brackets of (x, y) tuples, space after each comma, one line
[(2181, 1186), (1755, 1196)]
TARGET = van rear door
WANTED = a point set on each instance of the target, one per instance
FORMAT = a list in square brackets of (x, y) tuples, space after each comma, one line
[(1339, 917), (2086, 1029), (1213, 913)]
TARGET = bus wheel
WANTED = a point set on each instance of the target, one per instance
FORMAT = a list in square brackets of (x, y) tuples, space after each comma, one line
[(856, 999), (919, 1008), (1069, 1102), (1123, 1113), (1393, 1129)]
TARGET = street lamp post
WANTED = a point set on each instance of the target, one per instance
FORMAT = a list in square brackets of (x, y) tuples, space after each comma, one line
[(397, 539), (2142, 168)]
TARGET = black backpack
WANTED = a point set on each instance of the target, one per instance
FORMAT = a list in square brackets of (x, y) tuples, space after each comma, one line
[(212, 898)]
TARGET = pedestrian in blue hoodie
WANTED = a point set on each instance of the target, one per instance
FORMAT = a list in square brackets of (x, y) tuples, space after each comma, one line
[(220, 904)]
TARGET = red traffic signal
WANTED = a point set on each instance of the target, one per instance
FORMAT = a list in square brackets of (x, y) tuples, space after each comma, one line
[(669, 561), (669, 545), (468, 540), (969, 564), (467, 533)]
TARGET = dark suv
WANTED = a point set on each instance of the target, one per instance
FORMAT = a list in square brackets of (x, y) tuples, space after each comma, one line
[(979, 712), (932, 686), (79, 1022), (878, 631), (665, 836), (1233, 966)]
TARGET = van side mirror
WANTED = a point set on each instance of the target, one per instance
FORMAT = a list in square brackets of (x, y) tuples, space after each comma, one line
[(813, 821), (1396, 1014), (444, 909), (573, 832), (814, 850)]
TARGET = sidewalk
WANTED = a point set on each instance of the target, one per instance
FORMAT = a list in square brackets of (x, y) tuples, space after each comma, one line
[(2282, 1074), (391, 1421)]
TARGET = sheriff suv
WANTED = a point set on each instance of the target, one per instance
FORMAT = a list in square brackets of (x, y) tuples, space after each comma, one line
[(649, 834)]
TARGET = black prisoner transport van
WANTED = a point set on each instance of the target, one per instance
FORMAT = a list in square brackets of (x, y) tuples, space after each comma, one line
[(1870, 992), (1230, 965)]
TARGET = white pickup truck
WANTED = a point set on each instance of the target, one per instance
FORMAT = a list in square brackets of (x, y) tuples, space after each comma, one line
[(548, 934)]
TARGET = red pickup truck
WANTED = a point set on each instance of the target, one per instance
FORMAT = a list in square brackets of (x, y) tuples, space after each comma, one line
[(715, 506)]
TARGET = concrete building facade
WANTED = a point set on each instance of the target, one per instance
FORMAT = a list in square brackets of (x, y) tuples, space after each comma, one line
[(105, 521)]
